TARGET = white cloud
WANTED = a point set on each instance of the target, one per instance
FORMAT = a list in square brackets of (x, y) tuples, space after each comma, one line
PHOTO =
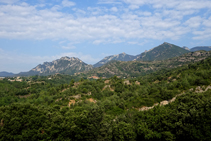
[(109, 2), (145, 13), (136, 2), (68, 47), (177, 14), (97, 10), (8, 1), (56, 7), (97, 26), (194, 22), (202, 35), (79, 11), (67, 3), (175, 4), (133, 7), (207, 22), (197, 4), (97, 42), (114, 9), (137, 43)]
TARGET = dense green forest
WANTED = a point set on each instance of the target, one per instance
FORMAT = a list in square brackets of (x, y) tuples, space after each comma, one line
[(63, 107)]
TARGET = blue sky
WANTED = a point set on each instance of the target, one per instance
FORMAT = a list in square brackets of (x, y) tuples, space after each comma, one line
[(32, 32)]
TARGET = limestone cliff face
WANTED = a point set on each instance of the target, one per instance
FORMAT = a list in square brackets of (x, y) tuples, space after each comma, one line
[(64, 65)]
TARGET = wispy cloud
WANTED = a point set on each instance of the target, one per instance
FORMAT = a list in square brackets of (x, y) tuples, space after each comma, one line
[(175, 4), (68, 47), (138, 43), (169, 20), (203, 34), (114, 9), (8, 1), (67, 3), (109, 2)]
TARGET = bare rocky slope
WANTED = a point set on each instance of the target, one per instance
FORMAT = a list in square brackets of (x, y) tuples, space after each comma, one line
[(120, 57), (64, 65)]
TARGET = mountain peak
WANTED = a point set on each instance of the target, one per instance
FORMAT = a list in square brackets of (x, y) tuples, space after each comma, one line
[(119, 57), (166, 43), (65, 58), (186, 48), (64, 65), (69, 59), (162, 52)]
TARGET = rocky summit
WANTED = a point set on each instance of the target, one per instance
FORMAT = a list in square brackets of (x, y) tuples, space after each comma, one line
[(119, 57)]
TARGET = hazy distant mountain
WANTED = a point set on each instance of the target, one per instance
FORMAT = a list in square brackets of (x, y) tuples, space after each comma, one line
[(64, 65), (162, 52), (120, 57), (206, 48), (6, 74)]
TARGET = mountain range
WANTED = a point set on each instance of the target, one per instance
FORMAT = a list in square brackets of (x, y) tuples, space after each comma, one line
[(6, 74), (74, 65), (161, 52), (141, 68), (206, 48)]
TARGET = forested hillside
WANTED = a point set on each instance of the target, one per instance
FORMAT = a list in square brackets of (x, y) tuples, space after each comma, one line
[(162, 52), (169, 104)]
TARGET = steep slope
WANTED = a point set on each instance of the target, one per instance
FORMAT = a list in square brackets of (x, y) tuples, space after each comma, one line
[(162, 52), (64, 65), (120, 57), (140, 68), (5, 74), (206, 48)]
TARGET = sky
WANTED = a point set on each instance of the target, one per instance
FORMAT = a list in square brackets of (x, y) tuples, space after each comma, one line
[(33, 32)]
